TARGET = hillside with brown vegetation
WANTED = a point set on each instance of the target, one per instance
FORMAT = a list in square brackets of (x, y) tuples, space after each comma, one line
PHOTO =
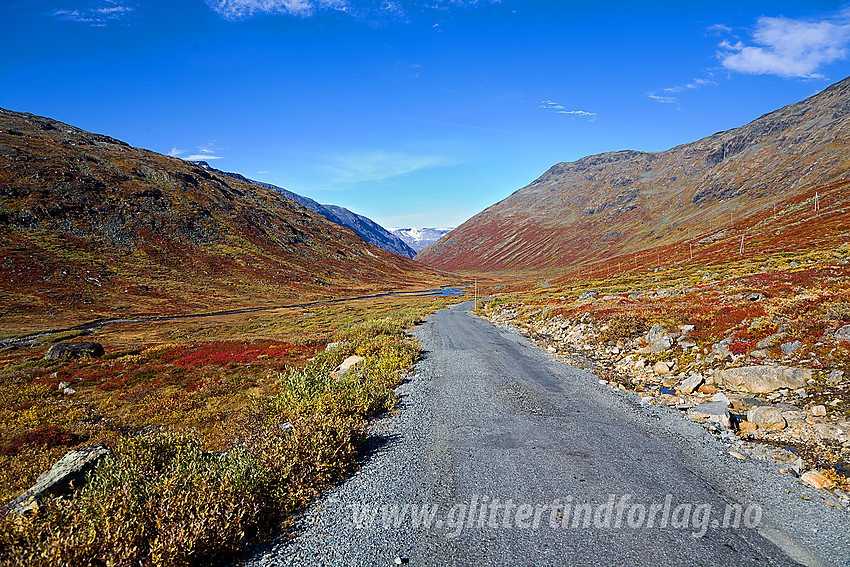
[(91, 227), (759, 181)]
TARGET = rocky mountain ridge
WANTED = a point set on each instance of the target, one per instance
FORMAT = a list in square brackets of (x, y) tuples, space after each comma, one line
[(622, 202), (364, 227), (420, 238), (91, 227)]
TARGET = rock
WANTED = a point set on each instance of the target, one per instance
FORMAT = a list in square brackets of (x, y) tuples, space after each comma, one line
[(332, 346), (766, 417), (816, 479), (756, 297), (63, 385), (791, 347), (767, 342), (67, 474), (655, 333), (738, 455), (721, 349), (588, 295), (69, 391), (720, 397), (706, 389), (661, 368), (769, 452), (714, 411), (746, 426), (843, 334), (834, 377), (74, 350), (819, 411), (750, 402), (685, 329), (551, 349), (346, 365), (762, 379), (691, 383), (660, 345)]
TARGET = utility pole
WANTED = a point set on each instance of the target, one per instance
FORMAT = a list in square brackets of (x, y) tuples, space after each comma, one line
[(475, 302)]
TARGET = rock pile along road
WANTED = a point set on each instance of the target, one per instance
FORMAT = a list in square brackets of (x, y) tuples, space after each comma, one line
[(502, 455)]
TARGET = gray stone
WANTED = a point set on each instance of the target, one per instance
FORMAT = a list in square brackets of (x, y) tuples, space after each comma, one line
[(74, 350), (750, 402), (662, 344), (756, 297), (714, 411), (721, 349), (834, 377), (69, 391), (766, 417), (819, 411), (762, 379), (685, 329), (332, 346), (655, 333), (760, 353), (769, 452), (843, 334), (791, 347), (69, 473), (588, 295), (767, 342), (63, 385), (691, 383)]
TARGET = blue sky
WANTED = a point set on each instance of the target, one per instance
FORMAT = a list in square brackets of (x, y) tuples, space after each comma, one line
[(414, 113)]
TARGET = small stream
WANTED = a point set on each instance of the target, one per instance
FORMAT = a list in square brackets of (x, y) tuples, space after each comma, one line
[(92, 326)]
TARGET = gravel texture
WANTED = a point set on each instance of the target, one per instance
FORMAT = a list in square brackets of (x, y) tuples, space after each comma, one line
[(487, 416)]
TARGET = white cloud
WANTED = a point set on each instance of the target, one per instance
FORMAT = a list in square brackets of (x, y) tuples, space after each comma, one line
[(693, 85), (378, 165), (661, 98), (100, 13), (717, 29), (206, 152), (395, 10), (789, 48), (561, 109), (201, 157)]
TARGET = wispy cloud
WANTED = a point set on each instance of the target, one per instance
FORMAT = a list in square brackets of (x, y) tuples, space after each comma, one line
[(99, 13), (206, 152), (789, 48), (379, 165), (693, 85), (664, 99), (561, 109), (393, 10)]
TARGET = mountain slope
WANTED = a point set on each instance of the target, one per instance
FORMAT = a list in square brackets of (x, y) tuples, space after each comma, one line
[(420, 238), (91, 227), (366, 228), (622, 202)]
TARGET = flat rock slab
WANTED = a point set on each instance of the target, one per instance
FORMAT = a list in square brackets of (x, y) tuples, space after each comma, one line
[(762, 379), (67, 474)]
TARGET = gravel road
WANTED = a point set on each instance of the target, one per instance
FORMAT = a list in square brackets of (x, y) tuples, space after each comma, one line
[(507, 456)]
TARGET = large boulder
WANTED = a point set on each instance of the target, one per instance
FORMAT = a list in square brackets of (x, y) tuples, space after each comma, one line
[(69, 473), (843, 334), (766, 417), (762, 379), (716, 411), (74, 350)]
